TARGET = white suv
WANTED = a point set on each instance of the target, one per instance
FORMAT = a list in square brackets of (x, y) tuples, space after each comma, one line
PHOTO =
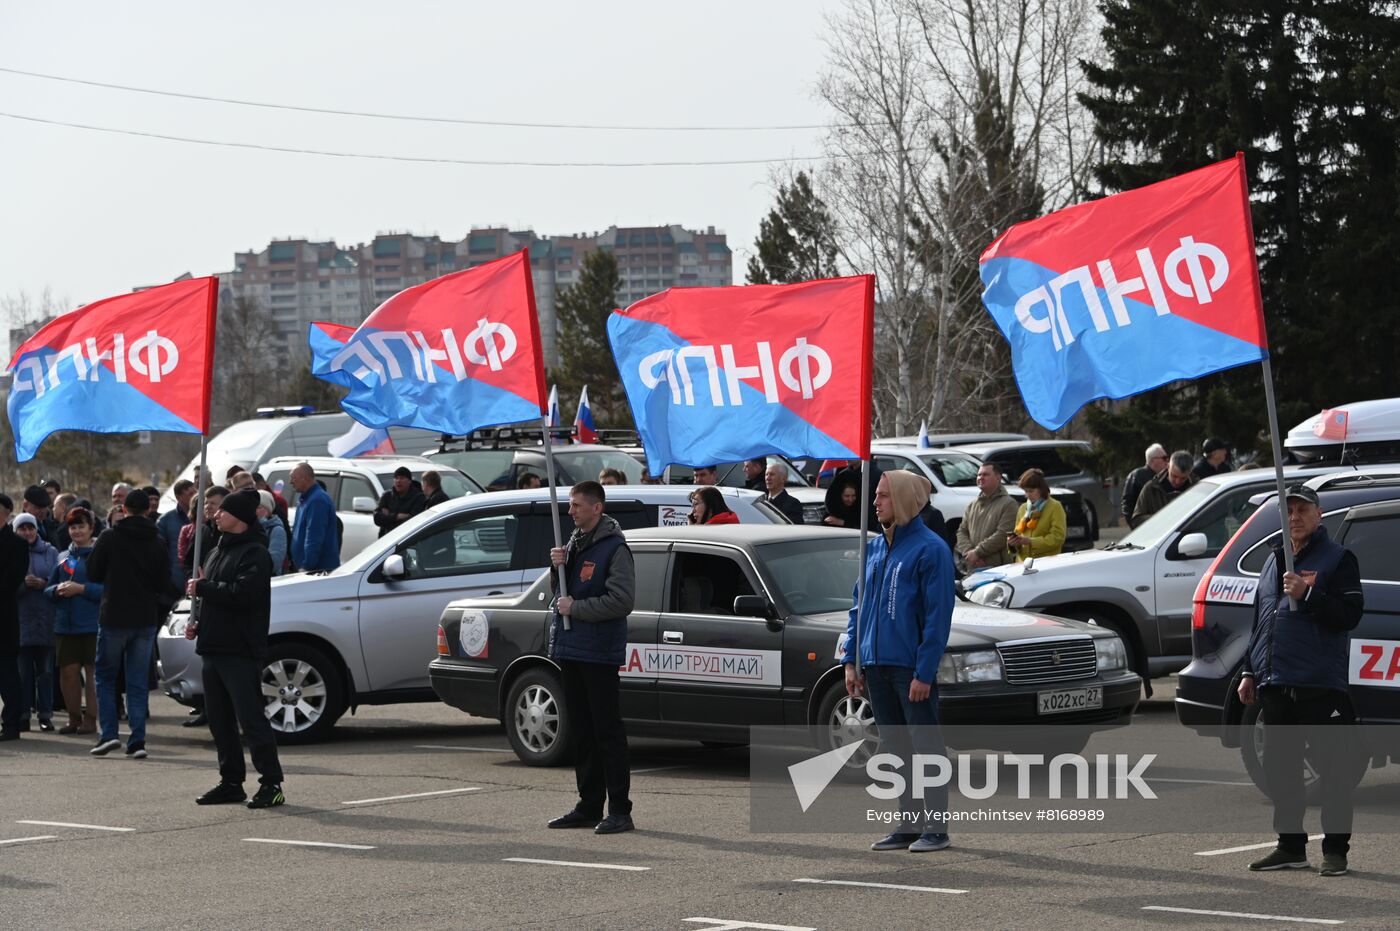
[(1141, 586), (355, 486)]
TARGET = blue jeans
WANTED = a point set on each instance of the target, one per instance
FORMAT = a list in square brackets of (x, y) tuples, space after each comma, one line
[(908, 727), (36, 672), (129, 647)]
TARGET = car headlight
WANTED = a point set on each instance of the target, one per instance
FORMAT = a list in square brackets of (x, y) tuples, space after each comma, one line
[(1110, 653), (993, 594), (977, 666), (177, 625)]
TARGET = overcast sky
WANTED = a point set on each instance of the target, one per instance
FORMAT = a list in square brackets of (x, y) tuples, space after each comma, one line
[(90, 214)]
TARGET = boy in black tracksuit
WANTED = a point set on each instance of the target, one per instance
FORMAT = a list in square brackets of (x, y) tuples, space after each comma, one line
[(235, 607)]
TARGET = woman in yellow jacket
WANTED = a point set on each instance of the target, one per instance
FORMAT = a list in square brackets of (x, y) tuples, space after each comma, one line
[(1040, 522)]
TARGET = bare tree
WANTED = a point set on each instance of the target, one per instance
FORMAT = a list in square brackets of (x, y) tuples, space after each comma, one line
[(249, 360), (953, 120)]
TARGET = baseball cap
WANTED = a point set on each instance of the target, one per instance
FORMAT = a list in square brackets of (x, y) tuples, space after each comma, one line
[(1302, 493)]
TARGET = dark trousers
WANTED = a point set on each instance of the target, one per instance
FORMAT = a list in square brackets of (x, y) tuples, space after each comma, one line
[(906, 728), (36, 680), (1299, 718), (600, 742), (233, 697), (11, 694)]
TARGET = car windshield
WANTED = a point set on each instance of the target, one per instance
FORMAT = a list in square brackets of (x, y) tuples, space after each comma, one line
[(454, 484), (579, 465), (814, 576), (1164, 521), (953, 470)]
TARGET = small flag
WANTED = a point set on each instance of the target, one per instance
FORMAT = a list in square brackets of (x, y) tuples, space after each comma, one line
[(360, 440), (923, 434), (1331, 425), (829, 469), (554, 413), (584, 431)]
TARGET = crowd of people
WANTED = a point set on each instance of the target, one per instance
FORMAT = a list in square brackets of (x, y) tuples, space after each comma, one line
[(82, 596)]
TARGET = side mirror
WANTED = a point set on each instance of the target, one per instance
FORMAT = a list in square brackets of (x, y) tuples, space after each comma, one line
[(362, 505), (751, 606), (394, 567), (1192, 545)]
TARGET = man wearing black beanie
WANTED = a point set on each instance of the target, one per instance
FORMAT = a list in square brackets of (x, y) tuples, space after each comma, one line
[(133, 565), (235, 604)]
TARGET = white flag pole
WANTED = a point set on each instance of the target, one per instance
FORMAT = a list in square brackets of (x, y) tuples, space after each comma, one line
[(865, 467), (198, 518), (1278, 473), (554, 509)]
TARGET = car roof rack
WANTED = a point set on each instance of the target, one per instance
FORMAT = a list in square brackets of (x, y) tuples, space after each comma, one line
[(302, 410), (509, 437), (1337, 479)]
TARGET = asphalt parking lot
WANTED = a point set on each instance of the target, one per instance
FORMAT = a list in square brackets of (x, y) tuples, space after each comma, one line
[(416, 816)]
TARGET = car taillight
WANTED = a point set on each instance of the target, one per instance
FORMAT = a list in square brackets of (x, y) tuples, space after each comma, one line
[(1198, 600), (442, 643)]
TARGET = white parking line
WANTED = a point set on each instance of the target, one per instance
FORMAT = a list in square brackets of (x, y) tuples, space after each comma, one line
[(1198, 782), (69, 824), (474, 749), (1205, 911), (1216, 853), (655, 769), (25, 840), (591, 866), (395, 798), (852, 882), (732, 924), (306, 843)]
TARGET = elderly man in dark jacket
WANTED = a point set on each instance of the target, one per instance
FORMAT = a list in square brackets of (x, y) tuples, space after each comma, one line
[(132, 564), (235, 607), (14, 565), (588, 639), (1297, 669)]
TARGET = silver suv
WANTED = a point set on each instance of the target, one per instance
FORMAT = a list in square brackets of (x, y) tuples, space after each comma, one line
[(363, 634)]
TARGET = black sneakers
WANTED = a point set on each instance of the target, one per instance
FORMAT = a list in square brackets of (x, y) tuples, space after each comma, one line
[(105, 747), (267, 797), (136, 750), (1280, 859), (575, 819), (224, 793), (614, 824), (1333, 864)]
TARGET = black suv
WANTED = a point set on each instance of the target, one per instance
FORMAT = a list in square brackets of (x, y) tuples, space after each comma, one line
[(1362, 512)]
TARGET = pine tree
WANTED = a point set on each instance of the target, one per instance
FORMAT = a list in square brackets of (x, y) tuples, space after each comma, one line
[(584, 352), (796, 241)]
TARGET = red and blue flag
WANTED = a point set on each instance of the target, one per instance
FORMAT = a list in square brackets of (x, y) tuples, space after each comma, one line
[(450, 355), (584, 430), (722, 374), (139, 361), (1117, 296)]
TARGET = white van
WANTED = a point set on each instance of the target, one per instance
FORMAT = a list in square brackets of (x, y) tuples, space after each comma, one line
[(282, 431)]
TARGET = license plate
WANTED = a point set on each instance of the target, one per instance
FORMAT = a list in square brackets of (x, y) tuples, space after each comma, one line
[(1063, 700), (1076, 532)]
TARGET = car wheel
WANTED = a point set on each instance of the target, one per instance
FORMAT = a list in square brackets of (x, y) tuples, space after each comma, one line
[(303, 691), (1253, 735), (841, 720), (536, 722), (1092, 517)]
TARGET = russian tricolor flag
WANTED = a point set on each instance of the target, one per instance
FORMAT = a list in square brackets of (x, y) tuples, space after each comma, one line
[(584, 431), (360, 440)]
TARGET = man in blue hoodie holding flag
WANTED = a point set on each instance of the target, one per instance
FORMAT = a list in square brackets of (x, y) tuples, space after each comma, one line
[(908, 612)]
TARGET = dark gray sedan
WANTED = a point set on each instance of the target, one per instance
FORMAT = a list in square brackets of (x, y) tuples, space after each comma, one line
[(738, 626)]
